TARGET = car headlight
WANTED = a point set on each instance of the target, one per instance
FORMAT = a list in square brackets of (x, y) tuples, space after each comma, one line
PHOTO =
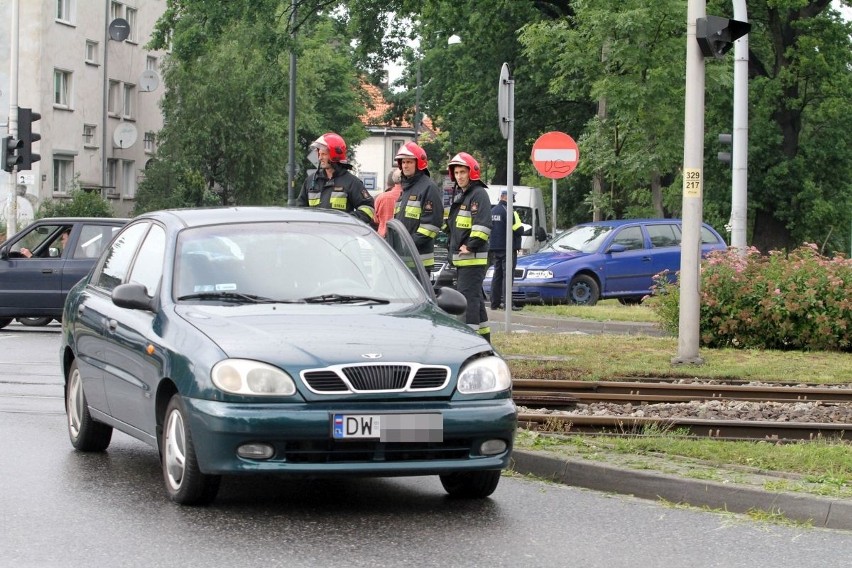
[(488, 374), (241, 376), (540, 274)]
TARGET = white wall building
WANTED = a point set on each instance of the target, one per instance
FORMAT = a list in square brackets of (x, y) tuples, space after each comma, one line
[(98, 97)]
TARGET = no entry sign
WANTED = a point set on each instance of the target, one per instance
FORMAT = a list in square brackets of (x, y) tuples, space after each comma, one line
[(555, 155)]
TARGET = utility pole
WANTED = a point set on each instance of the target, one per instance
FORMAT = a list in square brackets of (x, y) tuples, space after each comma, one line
[(12, 219), (291, 124)]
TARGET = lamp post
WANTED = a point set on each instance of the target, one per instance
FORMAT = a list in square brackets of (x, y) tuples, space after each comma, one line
[(291, 123)]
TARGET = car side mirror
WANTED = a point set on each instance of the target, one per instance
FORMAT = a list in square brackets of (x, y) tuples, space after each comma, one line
[(133, 296), (615, 247), (53, 252), (451, 301), (541, 234), (4, 253)]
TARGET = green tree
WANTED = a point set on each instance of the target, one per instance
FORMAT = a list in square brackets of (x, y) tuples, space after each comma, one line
[(226, 103), (82, 204)]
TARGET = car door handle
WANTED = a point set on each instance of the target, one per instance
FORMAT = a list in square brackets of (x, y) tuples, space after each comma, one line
[(646, 259), (47, 271), (112, 325)]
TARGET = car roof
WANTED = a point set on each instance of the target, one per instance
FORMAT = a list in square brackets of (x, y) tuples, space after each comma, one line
[(621, 222), (81, 220), (202, 216)]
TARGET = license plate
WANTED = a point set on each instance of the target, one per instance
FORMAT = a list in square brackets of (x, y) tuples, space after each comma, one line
[(388, 427)]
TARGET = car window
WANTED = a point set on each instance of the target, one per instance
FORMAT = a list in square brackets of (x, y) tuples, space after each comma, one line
[(93, 239), (148, 267), (707, 237), (584, 238), (663, 235), (630, 237), (115, 264), (289, 262), (40, 240)]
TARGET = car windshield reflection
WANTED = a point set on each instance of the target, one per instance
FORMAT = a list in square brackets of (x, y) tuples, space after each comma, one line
[(294, 262), (583, 238)]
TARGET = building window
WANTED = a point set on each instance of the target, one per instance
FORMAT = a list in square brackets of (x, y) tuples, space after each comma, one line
[(129, 98), (130, 16), (63, 173), (61, 88), (114, 100), (111, 177), (64, 10), (128, 178), (151, 63), (91, 51), (89, 133), (395, 146), (150, 141), (116, 10)]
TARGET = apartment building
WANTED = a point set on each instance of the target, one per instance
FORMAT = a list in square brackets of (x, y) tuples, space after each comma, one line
[(84, 67)]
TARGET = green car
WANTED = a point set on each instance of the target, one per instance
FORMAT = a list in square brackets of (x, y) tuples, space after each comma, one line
[(281, 340)]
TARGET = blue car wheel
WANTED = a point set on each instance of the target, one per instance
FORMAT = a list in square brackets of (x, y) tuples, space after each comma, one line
[(583, 290)]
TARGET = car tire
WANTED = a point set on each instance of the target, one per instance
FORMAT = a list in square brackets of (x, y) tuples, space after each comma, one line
[(630, 300), (4, 322), (85, 433), (471, 484), (185, 483), (583, 290), (35, 322)]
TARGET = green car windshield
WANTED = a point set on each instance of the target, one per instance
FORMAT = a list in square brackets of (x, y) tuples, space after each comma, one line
[(292, 262)]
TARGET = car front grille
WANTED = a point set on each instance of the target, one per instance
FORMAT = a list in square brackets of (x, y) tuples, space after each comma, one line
[(331, 451), (519, 273), (388, 377)]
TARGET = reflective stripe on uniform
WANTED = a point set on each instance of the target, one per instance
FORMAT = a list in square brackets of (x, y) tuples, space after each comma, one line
[(338, 200), (368, 211), (480, 232), (428, 259), (469, 259), (484, 330), (516, 225), (430, 231)]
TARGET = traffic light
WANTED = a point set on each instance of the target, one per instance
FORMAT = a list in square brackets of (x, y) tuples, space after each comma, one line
[(716, 36), (726, 140), (26, 117), (11, 153)]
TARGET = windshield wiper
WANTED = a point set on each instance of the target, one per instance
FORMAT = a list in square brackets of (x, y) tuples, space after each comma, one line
[(343, 299), (567, 247), (237, 297)]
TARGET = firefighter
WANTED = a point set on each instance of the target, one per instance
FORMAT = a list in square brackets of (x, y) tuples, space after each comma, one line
[(420, 207), (469, 228), (333, 186)]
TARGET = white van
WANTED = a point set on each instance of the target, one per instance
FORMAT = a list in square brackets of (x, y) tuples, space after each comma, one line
[(529, 204)]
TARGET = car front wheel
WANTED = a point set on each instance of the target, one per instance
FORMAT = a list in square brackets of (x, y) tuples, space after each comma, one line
[(4, 322), (184, 481), (471, 484), (86, 434), (583, 290)]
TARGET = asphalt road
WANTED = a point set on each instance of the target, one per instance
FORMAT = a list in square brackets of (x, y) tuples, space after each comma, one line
[(64, 508)]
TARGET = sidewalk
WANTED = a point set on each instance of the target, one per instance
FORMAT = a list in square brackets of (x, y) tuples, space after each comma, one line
[(676, 480), (739, 492)]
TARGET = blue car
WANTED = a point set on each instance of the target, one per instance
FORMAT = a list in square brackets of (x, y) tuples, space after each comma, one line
[(605, 259), (240, 341)]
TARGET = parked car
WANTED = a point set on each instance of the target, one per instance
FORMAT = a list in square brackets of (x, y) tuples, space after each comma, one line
[(606, 259), (281, 340), (33, 288)]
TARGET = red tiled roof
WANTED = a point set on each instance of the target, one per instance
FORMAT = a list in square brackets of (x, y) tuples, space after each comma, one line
[(379, 106)]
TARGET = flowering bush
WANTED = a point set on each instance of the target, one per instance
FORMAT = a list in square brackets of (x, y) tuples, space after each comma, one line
[(797, 301)]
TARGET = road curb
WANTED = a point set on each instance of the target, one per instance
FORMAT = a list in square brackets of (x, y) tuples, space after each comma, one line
[(819, 511)]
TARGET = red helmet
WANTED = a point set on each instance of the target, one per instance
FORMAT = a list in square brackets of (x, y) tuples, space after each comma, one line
[(412, 150), (335, 144), (466, 160)]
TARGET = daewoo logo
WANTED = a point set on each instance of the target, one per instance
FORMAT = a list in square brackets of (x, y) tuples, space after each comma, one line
[(372, 355)]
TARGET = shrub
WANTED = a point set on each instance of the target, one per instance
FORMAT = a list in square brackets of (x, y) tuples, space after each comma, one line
[(82, 204), (800, 300)]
